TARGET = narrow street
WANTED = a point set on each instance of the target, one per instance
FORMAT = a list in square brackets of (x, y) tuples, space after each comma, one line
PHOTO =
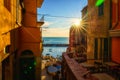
[(59, 39), (45, 75)]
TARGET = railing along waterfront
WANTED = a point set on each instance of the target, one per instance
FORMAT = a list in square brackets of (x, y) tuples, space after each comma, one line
[(71, 70)]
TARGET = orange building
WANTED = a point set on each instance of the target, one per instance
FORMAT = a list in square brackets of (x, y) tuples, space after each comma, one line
[(8, 18), (20, 40), (115, 31)]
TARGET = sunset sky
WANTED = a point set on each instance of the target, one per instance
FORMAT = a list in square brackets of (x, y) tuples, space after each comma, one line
[(59, 15)]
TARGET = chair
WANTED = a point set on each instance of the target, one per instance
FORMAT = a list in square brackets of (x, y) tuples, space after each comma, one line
[(100, 67)]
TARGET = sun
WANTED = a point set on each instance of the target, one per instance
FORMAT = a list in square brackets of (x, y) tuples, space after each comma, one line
[(77, 22)]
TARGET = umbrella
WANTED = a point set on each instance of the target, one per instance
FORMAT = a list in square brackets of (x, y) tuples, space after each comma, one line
[(58, 67), (52, 69)]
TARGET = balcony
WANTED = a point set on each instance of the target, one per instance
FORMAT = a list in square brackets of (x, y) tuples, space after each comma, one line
[(39, 3), (40, 22), (114, 33), (89, 70), (72, 70)]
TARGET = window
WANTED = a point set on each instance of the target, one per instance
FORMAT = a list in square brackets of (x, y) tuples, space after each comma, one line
[(101, 9), (7, 49), (7, 4), (96, 49)]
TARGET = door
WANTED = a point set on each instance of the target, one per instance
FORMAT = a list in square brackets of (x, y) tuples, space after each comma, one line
[(27, 65), (96, 49), (27, 69)]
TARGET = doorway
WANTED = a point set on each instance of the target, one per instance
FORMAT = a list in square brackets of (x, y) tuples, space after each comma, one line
[(27, 66)]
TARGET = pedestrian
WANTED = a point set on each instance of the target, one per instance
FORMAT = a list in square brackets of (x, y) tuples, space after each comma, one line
[(56, 77)]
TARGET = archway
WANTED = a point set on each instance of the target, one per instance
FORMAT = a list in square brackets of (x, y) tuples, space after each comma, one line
[(27, 65)]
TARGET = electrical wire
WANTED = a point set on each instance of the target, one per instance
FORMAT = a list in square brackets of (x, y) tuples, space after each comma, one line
[(47, 15)]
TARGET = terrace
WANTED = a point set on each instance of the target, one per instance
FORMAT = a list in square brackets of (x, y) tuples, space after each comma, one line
[(89, 70)]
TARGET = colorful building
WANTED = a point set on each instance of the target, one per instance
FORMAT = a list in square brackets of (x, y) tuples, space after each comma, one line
[(115, 31), (71, 38), (84, 24), (78, 34), (98, 27), (8, 22), (77, 39), (20, 40)]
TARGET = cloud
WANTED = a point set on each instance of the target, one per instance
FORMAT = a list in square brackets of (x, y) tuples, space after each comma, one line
[(46, 24), (58, 28), (74, 20), (56, 32)]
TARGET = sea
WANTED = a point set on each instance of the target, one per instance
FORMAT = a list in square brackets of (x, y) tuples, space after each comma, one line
[(53, 50)]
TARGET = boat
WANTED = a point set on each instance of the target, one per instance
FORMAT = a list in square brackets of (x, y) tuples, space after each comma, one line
[(47, 54), (50, 50)]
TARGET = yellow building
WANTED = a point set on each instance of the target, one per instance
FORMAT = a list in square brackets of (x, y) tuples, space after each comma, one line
[(8, 18), (18, 20), (98, 26)]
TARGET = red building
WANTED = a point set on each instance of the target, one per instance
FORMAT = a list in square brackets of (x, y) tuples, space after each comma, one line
[(115, 31), (72, 37), (77, 38)]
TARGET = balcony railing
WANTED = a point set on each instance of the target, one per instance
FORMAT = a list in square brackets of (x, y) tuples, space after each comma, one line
[(40, 22), (39, 3), (71, 70)]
